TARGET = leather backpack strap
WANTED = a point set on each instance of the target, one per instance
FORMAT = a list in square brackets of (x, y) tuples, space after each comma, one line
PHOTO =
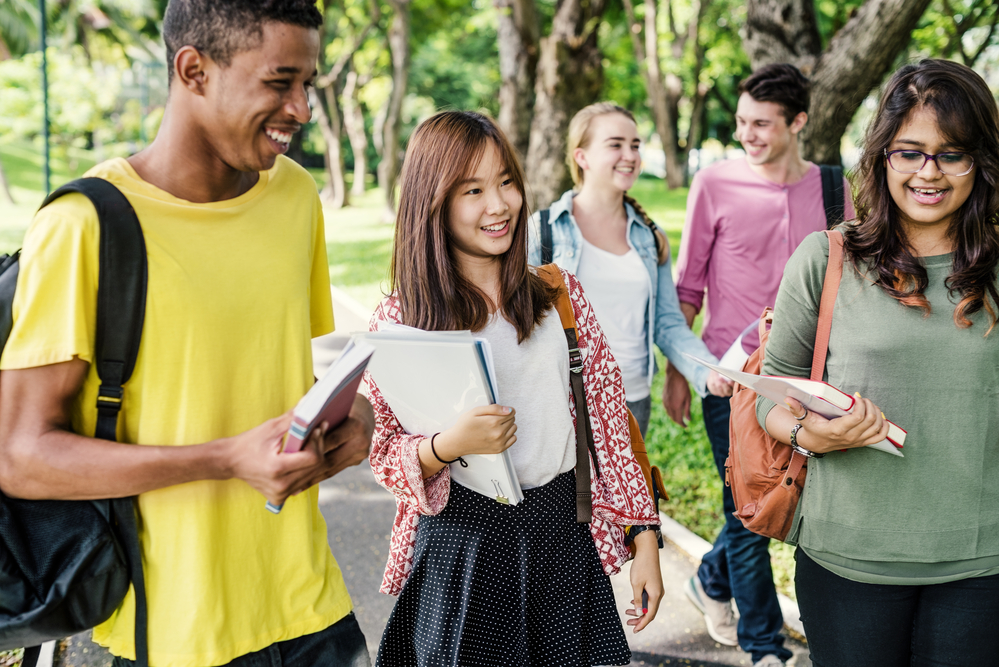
[(585, 448), (830, 288), (121, 307)]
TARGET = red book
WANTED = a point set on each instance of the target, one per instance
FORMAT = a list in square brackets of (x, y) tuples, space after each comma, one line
[(331, 398)]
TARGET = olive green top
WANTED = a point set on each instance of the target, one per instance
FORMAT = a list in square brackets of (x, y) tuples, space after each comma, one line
[(932, 516)]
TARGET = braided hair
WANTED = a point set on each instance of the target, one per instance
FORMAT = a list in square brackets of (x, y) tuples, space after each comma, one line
[(662, 244)]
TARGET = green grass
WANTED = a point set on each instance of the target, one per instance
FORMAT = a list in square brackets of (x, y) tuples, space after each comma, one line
[(359, 247)]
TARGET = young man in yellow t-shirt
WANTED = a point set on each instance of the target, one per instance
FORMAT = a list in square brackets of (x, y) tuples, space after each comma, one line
[(238, 285)]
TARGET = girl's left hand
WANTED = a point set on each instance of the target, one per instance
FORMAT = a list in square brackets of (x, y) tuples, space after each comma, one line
[(645, 576)]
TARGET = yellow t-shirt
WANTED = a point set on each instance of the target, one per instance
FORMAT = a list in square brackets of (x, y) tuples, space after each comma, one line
[(236, 291)]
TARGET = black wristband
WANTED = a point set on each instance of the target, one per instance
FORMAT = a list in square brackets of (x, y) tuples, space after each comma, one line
[(633, 531), (436, 456)]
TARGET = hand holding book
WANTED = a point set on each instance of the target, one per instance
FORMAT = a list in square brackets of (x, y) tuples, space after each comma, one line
[(865, 425), (487, 429), (833, 414)]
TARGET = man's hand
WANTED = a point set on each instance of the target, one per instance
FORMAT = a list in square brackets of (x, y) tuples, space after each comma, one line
[(350, 443), (259, 461), (676, 397), (719, 385)]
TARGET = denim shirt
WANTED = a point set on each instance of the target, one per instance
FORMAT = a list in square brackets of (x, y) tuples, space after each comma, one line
[(669, 331)]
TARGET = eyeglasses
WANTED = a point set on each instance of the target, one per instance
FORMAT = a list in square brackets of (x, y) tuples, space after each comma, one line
[(906, 161)]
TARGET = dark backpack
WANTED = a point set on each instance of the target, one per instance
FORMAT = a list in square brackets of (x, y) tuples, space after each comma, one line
[(65, 566), (832, 204)]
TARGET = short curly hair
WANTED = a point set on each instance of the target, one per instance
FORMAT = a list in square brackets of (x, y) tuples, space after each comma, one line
[(222, 28)]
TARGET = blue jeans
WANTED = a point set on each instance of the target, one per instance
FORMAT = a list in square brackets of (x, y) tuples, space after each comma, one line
[(738, 564), (340, 645)]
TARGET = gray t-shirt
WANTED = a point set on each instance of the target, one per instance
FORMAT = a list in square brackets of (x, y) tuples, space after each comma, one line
[(932, 516)]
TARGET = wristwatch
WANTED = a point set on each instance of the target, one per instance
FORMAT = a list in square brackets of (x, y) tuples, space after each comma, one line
[(798, 448), (637, 530)]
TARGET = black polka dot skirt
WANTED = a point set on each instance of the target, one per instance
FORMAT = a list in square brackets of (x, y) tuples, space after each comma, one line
[(500, 586)]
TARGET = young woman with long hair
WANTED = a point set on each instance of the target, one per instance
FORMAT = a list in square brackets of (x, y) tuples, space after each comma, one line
[(898, 558), (481, 583), (603, 236)]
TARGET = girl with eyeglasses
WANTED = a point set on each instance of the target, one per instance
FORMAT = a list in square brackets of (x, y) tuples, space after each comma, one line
[(898, 558)]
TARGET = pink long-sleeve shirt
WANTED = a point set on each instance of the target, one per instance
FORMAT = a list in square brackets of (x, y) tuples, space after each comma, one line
[(739, 233)]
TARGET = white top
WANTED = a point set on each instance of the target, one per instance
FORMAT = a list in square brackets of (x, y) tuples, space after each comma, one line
[(619, 291), (533, 378)]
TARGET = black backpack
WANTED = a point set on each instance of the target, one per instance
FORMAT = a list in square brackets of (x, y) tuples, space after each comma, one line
[(832, 203), (65, 566)]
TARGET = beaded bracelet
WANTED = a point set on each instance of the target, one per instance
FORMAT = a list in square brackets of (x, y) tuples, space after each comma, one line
[(436, 456)]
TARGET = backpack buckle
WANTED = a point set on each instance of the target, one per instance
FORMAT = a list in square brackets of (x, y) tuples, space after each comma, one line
[(575, 360), (109, 398)]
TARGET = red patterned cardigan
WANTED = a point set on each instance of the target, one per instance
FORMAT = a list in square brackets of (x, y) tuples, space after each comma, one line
[(619, 495)]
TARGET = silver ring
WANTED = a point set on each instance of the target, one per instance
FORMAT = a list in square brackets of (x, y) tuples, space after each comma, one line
[(802, 416)]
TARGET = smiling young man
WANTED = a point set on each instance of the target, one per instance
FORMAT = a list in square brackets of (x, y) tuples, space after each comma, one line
[(744, 219), (237, 286)]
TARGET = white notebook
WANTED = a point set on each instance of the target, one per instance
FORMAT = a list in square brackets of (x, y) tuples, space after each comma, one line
[(818, 397), (429, 379)]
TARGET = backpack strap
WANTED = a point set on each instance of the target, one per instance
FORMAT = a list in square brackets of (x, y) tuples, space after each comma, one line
[(830, 288), (547, 246), (121, 307), (31, 655), (121, 294), (832, 194), (585, 449)]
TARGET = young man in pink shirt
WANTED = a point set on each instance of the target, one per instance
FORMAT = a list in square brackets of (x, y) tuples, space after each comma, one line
[(744, 219)]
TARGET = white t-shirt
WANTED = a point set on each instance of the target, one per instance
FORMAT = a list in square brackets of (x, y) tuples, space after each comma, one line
[(619, 291), (533, 379)]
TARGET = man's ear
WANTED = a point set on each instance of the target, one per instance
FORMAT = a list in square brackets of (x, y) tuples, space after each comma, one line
[(189, 66), (799, 122)]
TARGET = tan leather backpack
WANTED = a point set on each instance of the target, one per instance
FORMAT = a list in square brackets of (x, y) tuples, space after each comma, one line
[(767, 476), (584, 438)]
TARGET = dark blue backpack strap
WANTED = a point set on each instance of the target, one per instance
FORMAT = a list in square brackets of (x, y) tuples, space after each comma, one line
[(31, 655), (121, 308), (832, 194), (547, 247)]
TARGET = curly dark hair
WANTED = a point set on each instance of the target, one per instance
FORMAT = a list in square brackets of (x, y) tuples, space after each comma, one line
[(781, 84), (222, 28), (969, 119)]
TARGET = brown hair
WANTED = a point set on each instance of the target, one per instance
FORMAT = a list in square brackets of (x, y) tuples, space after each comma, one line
[(432, 292), (967, 116), (579, 137), (782, 84)]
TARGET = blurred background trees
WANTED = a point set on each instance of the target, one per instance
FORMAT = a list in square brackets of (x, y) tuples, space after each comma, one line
[(386, 64)]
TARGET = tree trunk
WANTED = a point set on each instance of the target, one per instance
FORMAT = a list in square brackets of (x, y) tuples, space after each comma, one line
[(647, 55), (5, 187), (328, 118), (570, 76), (857, 59), (518, 62), (353, 121), (388, 167), (666, 90)]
